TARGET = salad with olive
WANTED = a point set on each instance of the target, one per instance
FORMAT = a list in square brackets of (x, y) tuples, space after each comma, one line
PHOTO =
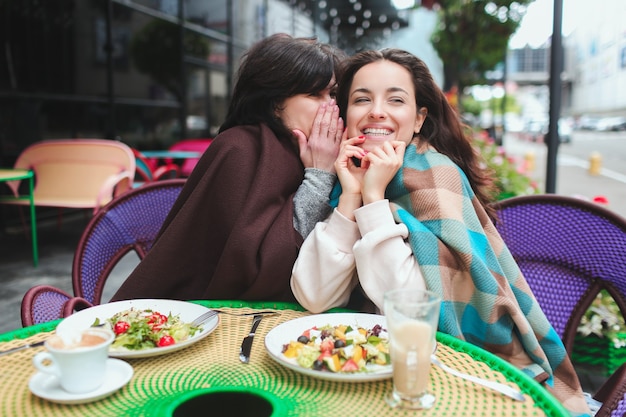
[(340, 348)]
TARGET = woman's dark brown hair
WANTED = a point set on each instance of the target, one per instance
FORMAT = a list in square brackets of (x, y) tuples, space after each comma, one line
[(274, 69), (442, 128)]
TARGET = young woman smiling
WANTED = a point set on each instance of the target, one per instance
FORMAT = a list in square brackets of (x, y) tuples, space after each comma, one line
[(412, 212)]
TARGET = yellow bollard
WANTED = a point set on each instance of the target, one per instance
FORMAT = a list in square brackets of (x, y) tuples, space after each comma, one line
[(595, 163), (529, 161)]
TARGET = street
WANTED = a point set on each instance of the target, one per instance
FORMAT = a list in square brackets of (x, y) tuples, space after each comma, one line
[(610, 145), (573, 163)]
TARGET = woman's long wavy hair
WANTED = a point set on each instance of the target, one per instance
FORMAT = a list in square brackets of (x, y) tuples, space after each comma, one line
[(442, 128), (274, 69)]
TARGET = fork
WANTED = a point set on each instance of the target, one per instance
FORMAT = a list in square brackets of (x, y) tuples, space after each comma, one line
[(212, 313)]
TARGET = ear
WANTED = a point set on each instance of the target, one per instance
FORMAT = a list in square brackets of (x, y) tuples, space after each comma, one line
[(419, 120)]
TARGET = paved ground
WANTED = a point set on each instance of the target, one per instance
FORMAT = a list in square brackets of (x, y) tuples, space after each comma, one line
[(573, 175), (56, 252), (57, 245)]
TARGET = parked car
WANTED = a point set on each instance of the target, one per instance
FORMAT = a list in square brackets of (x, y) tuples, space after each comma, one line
[(588, 123), (614, 124), (536, 130)]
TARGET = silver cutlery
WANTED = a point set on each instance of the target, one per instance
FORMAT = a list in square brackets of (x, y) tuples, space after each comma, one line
[(212, 313), (23, 347), (253, 313), (246, 345), (496, 386)]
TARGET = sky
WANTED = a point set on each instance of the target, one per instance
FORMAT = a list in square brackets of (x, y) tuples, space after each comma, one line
[(536, 26)]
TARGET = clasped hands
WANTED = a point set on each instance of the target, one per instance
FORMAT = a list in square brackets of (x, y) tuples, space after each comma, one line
[(367, 173)]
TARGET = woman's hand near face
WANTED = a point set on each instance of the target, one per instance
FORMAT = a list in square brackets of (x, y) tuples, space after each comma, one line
[(321, 148), (383, 164), (350, 175)]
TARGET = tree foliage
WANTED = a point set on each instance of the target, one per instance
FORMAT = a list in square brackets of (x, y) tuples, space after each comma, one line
[(472, 37)]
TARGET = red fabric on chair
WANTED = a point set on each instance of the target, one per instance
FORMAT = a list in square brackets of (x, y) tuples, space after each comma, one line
[(145, 172), (194, 145)]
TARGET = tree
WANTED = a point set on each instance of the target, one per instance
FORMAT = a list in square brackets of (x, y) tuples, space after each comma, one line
[(472, 37)]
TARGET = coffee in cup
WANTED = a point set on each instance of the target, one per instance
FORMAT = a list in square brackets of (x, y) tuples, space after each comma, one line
[(85, 339), (78, 362)]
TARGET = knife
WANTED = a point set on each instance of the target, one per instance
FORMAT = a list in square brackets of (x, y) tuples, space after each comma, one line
[(17, 349), (246, 345)]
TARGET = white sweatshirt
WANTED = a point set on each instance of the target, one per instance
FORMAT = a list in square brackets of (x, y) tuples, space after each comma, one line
[(339, 253)]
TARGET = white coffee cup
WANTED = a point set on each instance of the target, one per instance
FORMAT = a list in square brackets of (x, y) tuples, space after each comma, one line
[(80, 362)]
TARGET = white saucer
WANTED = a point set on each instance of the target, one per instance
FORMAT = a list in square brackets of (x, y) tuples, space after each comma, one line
[(47, 386)]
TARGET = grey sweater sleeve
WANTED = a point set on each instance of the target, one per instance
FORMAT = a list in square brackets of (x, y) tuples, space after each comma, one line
[(311, 201)]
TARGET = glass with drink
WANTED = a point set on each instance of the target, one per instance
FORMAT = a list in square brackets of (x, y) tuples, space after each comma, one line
[(412, 317)]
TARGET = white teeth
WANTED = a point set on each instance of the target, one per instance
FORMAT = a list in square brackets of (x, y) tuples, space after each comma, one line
[(377, 131)]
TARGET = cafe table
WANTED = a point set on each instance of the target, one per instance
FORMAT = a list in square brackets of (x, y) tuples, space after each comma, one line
[(10, 174), (212, 363), (165, 154)]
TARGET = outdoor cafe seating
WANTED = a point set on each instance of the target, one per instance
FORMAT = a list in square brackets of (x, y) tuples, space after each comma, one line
[(186, 153), (128, 223), (146, 172), (75, 173), (67, 173), (162, 383)]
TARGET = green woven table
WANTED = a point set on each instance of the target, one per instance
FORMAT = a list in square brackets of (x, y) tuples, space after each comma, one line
[(213, 362)]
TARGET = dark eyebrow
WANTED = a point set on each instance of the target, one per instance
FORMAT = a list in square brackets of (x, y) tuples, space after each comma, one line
[(389, 90), (396, 90), (360, 90)]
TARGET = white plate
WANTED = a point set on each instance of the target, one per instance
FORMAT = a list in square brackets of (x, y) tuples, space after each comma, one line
[(291, 330), (185, 310), (48, 387)]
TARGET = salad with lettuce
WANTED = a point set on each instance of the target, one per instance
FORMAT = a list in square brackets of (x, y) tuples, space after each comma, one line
[(137, 329), (341, 348)]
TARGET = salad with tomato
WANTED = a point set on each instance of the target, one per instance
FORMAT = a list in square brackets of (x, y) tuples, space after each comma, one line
[(137, 329), (340, 348)]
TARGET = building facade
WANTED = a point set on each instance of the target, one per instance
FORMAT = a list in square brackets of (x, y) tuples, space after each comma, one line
[(594, 66), (147, 72), (597, 62), (132, 70)]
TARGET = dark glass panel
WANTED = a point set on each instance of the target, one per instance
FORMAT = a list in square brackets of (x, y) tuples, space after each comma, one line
[(36, 38), (151, 47), (169, 7), (210, 14), (147, 127)]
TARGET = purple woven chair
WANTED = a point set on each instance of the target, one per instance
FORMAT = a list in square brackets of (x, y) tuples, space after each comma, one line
[(44, 303), (568, 250), (130, 222)]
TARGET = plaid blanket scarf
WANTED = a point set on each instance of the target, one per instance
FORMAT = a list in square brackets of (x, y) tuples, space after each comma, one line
[(486, 300)]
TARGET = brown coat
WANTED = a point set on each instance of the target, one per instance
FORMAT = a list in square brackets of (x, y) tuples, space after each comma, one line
[(230, 234)]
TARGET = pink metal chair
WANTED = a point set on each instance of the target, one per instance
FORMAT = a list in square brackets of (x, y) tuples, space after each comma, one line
[(198, 145), (75, 173), (130, 222), (145, 173)]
